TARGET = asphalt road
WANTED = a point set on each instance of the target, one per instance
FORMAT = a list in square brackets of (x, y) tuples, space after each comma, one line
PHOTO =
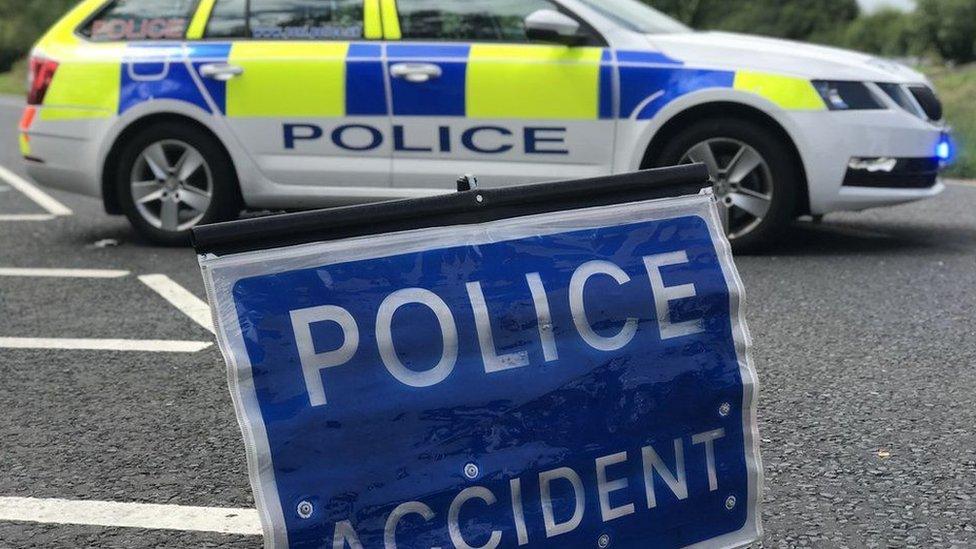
[(865, 343)]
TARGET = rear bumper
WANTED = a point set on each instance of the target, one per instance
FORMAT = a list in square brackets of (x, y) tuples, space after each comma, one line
[(64, 154), (63, 178)]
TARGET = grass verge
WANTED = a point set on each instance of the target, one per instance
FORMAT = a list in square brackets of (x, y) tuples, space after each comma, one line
[(957, 88), (12, 82)]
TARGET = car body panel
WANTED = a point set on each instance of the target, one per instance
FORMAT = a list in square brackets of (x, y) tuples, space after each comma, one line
[(323, 123), (788, 57)]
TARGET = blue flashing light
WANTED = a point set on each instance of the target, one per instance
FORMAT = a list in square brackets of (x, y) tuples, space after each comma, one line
[(944, 149)]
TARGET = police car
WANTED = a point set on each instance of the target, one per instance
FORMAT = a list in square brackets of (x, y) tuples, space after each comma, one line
[(183, 112)]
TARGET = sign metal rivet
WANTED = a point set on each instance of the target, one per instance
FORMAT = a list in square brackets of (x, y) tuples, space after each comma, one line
[(730, 503), (724, 409), (604, 541), (305, 509), (471, 471), (479, 198)]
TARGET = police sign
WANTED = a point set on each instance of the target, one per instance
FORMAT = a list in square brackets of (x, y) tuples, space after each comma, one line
[(541, 366)]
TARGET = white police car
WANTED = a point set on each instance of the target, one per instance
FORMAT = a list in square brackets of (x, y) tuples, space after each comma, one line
[(182, 112)]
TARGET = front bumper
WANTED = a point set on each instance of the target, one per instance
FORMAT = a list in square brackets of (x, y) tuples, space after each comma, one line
[(830, 141), (893, 173)]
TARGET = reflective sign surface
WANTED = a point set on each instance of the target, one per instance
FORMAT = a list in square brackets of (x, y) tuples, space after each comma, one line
[(560, 380)]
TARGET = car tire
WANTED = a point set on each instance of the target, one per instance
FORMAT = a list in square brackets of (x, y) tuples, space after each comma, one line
[(754, 176), (172, 177)]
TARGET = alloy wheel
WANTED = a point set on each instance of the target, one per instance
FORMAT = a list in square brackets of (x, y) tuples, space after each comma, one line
[(172, 185), (741, 180)]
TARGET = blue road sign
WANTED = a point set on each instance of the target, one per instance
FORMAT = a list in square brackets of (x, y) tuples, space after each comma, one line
[(568, 379)]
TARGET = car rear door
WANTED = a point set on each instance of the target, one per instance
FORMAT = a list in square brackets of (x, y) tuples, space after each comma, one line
[(302, 90), (471, 94)]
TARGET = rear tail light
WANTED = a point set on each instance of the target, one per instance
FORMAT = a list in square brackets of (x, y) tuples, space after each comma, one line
[(27, 118), (39, 79)]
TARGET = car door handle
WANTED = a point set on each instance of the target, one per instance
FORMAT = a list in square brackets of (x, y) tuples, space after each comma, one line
[(221, 72), (416, 73)]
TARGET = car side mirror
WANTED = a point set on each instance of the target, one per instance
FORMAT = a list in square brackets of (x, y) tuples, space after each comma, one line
[(552, 26)]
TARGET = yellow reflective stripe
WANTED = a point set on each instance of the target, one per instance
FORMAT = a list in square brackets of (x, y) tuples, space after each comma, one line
[(65, 114), (25, 148), (63, 32), (533, 81), (391, 20), (786, 91), (86, 81), (372, 20), (198, 25), (288, 79)]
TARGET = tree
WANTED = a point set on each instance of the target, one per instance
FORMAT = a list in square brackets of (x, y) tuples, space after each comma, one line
[(950, 27), (889, 32), (794, 19), (22, 23)]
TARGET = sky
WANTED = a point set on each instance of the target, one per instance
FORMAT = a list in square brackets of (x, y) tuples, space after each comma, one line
[(871, 5)]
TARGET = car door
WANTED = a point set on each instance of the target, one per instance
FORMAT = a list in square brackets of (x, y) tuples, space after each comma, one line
[(303, 90), (471, 94)]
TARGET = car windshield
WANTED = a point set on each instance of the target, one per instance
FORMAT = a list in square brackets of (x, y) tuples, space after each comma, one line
[(636, 16)]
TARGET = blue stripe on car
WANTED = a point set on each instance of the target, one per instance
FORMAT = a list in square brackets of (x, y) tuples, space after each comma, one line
[(606, 85), (152, 72), (648, 57), (365, 90), (201, 54), (649, 89), (444, 96)]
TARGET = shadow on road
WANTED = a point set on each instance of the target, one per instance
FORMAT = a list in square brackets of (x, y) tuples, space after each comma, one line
[(873, 238)]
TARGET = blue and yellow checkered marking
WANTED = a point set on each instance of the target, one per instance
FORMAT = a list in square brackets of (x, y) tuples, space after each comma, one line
[(478, 81), (336, 79)]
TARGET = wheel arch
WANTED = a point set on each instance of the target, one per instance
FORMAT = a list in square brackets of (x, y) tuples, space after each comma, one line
[(109, 178), (730, 109)]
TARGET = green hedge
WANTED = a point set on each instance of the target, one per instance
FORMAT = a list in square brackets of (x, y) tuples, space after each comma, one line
[(945, 29), (14, 82), (957, 87), (22, 22)]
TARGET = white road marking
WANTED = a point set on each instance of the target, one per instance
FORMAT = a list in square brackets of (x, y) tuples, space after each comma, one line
[(147, 345), (40, 197), (244, 522), (62, 273), (27, 217), (181, 298)]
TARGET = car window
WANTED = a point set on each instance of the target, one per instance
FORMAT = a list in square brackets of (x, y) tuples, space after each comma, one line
[(471, 20), (287, 19), (228, 20), (306, 19), (123, 20)]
